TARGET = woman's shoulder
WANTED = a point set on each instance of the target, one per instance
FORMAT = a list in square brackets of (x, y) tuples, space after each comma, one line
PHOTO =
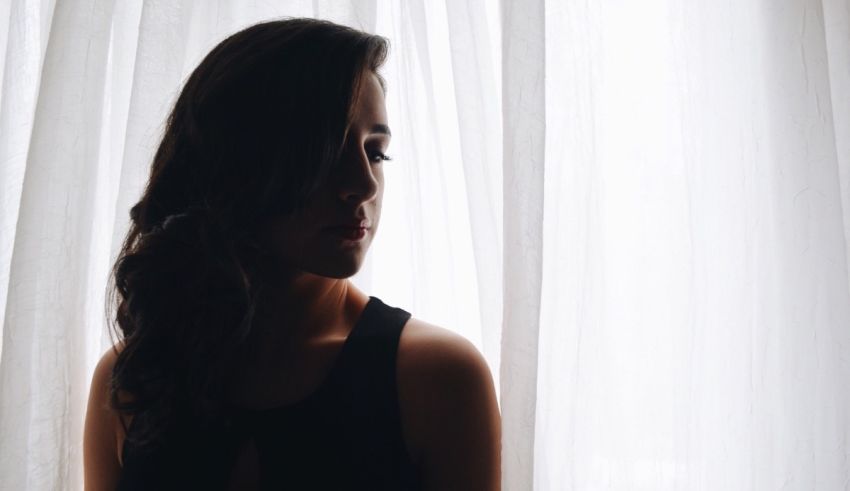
[(102, 433), (448, 404), (426, 345), (100, 388)]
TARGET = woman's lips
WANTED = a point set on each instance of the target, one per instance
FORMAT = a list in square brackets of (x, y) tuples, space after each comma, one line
[(349, 233)]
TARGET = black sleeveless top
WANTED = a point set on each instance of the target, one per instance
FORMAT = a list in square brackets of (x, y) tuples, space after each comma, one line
[(346, 435)]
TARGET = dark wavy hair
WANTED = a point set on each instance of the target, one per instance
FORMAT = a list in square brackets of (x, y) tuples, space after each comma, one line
[(257, 128)]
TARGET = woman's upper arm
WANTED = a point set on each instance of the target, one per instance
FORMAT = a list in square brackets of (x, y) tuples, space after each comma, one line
[(458, 425), (101, 467)]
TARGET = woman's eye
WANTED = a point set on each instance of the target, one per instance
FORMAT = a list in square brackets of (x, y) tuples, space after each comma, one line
[(380, 156)]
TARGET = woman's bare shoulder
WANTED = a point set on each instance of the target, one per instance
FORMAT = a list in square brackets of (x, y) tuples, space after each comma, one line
[(100, 389), (449, 409), (423, 342), (101, 459)]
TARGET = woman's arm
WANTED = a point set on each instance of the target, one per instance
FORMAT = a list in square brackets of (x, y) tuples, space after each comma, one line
[(453, 413), (101, 468)]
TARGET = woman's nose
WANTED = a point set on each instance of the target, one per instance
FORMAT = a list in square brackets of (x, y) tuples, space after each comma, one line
[(358, 182)]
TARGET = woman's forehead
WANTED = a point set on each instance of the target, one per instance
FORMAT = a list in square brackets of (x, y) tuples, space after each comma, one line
[(370, 112)]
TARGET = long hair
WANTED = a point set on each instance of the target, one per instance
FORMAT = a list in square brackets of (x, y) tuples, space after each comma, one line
[(257, 128)]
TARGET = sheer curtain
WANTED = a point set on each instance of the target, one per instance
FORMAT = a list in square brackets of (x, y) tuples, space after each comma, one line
[(634, 209)]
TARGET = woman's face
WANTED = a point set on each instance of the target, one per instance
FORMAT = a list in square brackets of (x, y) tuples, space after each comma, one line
[(306, 241)]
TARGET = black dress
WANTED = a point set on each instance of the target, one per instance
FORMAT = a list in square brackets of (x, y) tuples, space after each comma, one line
[(347, 435)]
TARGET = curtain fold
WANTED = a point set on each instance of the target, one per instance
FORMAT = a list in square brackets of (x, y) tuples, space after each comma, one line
[(524, 135), (43, 379), (836, 26), (157, 75), (637, 212), (25, 39), (476, 79), (695, 308)]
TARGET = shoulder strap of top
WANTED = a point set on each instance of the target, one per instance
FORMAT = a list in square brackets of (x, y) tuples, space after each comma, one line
[(373, 346), (368, 391), (381, 320)]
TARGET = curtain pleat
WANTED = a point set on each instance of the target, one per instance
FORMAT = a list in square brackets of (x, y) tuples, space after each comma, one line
[(25, 39), (43, 384), (695, 306), (157, 76), (477, 92), (836, 26), (523, 169)]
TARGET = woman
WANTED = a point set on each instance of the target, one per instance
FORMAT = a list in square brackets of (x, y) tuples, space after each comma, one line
[(247, 359)]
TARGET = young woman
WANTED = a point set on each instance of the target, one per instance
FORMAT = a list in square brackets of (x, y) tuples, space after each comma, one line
[(247, 359)]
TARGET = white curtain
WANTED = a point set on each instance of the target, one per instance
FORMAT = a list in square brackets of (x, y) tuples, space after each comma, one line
[(636, 210)]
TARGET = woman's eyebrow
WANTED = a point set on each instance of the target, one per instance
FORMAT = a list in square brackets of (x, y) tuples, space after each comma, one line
[(381, 128)]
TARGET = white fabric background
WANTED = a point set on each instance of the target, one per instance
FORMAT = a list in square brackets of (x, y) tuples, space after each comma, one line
[(634, 209)]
